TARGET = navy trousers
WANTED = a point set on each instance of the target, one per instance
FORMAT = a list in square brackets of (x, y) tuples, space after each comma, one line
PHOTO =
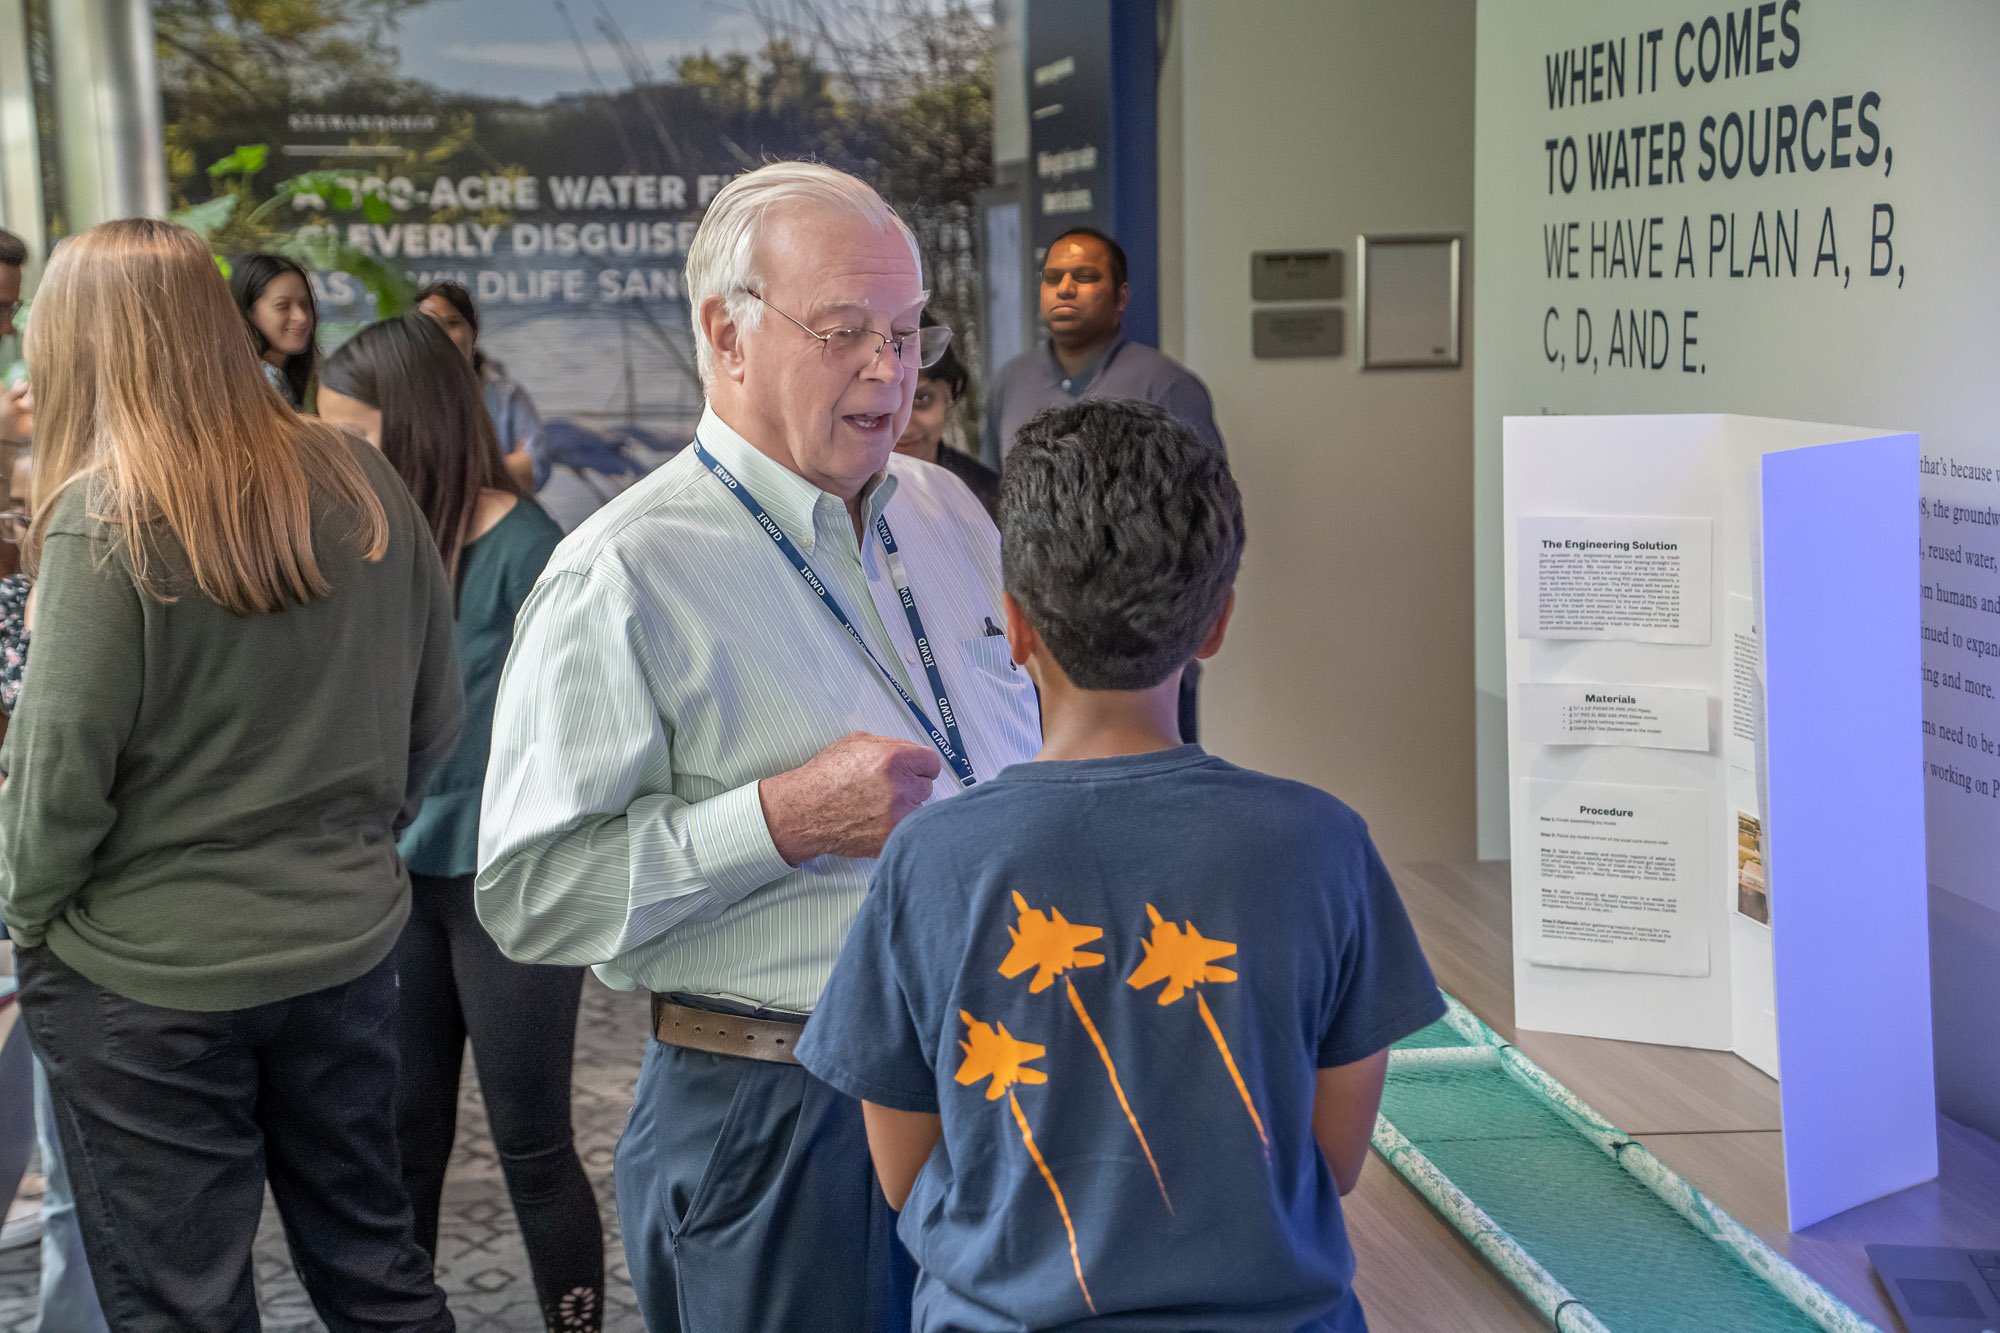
[(749, 1203)]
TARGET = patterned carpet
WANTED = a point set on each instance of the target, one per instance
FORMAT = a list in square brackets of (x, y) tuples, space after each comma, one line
[(480, 1261)]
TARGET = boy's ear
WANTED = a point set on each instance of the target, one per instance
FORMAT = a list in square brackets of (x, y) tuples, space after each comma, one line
[(1212, 645), (1023, 641)]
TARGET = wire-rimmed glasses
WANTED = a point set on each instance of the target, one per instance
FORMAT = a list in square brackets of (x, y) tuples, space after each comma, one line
[(852, 350)]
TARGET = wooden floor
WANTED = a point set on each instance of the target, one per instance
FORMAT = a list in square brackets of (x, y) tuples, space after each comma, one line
[(1707, 1114)]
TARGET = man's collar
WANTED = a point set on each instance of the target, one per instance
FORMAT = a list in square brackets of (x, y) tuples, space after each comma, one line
[(876, 499), (1089, 370), (785, 495)]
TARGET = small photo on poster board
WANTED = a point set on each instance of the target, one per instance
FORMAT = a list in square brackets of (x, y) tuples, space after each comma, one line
[(1753, 893)]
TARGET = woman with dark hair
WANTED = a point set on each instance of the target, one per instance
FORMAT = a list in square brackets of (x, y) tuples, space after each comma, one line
[(515, 419), (276, 299), (404, 386), (939, 387)]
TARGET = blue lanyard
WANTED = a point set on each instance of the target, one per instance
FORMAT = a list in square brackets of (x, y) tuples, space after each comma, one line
[(949, 743)]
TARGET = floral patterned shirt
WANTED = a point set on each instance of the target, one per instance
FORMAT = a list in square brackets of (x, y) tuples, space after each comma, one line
[(14, 591)]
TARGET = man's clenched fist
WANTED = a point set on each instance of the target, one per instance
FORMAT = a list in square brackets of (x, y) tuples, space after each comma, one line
[(846, 799)]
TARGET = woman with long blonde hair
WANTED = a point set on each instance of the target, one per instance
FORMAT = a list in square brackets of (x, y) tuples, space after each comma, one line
[(242, 679)]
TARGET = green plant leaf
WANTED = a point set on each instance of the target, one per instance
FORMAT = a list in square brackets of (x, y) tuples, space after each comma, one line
[(248, 159), (205, 219), (324, 251), (376, 209)]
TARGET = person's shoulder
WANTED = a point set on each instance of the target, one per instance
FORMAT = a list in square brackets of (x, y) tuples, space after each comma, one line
[(959, 823), (1158, 366), (493, 374), (398, 506), (937, 491), (381, 473), (382, 476), (605, 544), (75, 514), (981, 480), (973, 472), (1296, 809), (536, 524), (527, 534), (922, 482), (516, 394), (1015, 367)]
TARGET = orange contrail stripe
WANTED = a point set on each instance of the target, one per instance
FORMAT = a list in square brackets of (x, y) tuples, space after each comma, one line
[(1208, 1017), (1028, 1138), (1104, 1054)]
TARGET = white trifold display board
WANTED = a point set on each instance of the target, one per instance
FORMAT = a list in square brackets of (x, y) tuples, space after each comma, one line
[(1755, 884)]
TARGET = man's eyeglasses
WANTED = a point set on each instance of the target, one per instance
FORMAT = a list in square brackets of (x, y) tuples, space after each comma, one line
[(14, 527), (852, 350)]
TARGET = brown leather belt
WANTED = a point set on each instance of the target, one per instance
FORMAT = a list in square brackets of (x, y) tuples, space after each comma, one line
[(725, 1034)]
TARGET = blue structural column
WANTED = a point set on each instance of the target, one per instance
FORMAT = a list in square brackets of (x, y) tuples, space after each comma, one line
[(1093, 135)]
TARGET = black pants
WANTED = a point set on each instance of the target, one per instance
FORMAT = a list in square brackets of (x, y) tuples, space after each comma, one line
[(521, 1019), (171, 1122)]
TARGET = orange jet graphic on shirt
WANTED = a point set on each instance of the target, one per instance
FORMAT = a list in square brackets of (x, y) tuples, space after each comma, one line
[(997, 1054), (1047, 943), (1185, 959), (992, 1052), (1051, 945)]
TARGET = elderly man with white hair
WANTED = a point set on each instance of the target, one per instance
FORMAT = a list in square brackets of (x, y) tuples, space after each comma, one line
[(726, 689)]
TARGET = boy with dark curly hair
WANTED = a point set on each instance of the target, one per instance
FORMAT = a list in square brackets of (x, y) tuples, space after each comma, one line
[(1119, 1017)]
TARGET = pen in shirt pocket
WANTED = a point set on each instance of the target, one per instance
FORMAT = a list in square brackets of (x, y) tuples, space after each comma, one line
[(993, 631)]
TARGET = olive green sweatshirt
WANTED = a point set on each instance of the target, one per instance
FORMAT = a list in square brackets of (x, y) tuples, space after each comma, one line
[(201, 808)]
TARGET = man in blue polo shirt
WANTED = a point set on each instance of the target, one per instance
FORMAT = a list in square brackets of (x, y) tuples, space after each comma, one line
[(1084, 293)]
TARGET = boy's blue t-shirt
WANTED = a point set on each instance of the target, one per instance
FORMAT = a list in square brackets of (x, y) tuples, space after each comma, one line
[(1115, 980)]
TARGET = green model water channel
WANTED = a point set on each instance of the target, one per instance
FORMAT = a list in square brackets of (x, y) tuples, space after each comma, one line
[(1586, 1223)]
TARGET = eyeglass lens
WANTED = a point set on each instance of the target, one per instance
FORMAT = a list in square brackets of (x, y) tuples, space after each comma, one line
[(855, 347)]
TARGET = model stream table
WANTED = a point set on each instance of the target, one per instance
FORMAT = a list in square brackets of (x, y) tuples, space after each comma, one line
[(1708, 1115)]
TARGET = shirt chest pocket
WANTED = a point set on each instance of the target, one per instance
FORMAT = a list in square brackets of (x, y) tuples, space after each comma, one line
[(989, 653), (1004, 727)]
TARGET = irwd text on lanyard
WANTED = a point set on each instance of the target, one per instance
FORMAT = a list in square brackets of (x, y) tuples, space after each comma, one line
[(950, 745)]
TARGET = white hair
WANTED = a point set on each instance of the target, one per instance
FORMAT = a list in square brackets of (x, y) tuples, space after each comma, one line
[(722, 259)]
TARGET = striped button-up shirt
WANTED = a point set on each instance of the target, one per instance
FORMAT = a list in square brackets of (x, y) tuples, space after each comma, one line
[(669, 658)]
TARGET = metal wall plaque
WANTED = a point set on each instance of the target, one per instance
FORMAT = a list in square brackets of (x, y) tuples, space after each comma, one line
[(1295, 275), (1298, 331), (1408, 292)]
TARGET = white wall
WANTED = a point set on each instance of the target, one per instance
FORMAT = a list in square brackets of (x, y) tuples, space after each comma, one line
[(1912, 348), (1302, 124)]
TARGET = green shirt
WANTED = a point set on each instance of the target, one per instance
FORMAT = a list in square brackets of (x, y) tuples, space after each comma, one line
[(495, 575), (201, 808)]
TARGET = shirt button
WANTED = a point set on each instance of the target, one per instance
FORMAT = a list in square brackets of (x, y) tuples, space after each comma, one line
[(911, 658), (1065, 384)]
